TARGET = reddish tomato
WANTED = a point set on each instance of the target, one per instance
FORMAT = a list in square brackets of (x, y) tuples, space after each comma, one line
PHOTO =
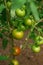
[(16, 51)]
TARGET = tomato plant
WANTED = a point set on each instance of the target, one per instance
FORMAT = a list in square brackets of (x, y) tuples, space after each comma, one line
[(17, 17)]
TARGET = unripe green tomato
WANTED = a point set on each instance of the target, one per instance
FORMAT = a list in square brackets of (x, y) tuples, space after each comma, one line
[(39, 42), (15, 62), (9, 4), (36, 49), (20, 13), (28, 22), (17, 34), (23, 28), (39, 38)]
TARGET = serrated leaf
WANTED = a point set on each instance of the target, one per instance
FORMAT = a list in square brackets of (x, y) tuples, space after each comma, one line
[(4, 43), (17, 3)]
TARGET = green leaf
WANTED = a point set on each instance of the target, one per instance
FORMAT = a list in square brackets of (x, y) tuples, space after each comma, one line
[(34, 11), (4, 57), (1, 7), (33, 35), (17, 3), (4, 17), (4, 43)]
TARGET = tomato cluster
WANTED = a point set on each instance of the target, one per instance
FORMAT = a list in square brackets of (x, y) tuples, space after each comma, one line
[(21, 23), (36, 47), (24, 23)]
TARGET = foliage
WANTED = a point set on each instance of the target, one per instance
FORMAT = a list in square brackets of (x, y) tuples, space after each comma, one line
[(11, 20)]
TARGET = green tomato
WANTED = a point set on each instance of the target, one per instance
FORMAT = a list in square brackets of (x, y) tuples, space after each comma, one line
[(17, 34), (22, 27), (39, 42), (39, 38), (20, 13), (15, 62), (35, 48), (9, 4), (28, 22)]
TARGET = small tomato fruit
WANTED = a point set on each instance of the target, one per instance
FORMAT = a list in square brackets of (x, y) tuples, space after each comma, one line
[(22, 27), (35, 48), (16, 51), (39, 38), (28, 22), (15, 62), (20, 13), (9, 4), (39, 42), (17, 34)]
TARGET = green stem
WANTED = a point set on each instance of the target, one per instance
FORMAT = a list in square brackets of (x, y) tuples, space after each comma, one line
[(32, 29), (25, 43), (9, 28)]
